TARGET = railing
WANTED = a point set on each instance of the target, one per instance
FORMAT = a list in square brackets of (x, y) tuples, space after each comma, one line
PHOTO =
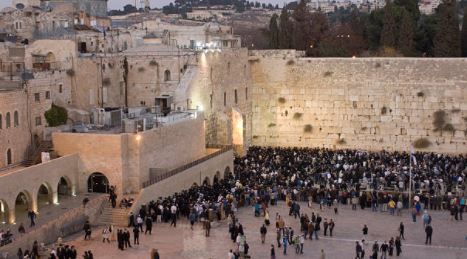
[(182, 168)]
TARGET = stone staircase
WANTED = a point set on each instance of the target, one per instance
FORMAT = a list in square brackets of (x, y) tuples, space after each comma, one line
[(117, 217), (35, 158)]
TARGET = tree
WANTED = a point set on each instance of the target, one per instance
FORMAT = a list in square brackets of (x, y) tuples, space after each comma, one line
[(129, 8), (406, 34), (389, 32), (285, 30), (319, 28), (424, 38), (447, 42), (464, 34), (411, 6), (302, 26), (56, 116), (274, 32)]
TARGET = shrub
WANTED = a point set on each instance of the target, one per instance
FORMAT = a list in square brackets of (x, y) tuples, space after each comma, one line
[(439, 120), (255, 137), (290, 62), (297, 115), (56, 116), (449, 127), (421, 143), (420, 94), (141, 69), (341, 141), (281, 100), (70, 72), (271, 125), (456, 110), (307, 128), (378, 65), (106, 81), (153, 63), (384, 110), (327, 73)]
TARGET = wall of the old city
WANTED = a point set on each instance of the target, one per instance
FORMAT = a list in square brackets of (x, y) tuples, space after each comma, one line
[(362, 103)]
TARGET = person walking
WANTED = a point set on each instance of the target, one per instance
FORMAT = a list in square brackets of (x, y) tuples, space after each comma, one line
[(285, 242), (273, 252), (148, 226), (278, 236), (401, 230), (139, 222), (391, 247), (32, 217), (207, 227), (263, 230), (173, 212), (331, 225), (105, 235), (126, 238), (365, 230), (136, 235), (429, 233), (87, 230), (358, 250), (398, 245), (302, 241), (325, 226), (384, 250)]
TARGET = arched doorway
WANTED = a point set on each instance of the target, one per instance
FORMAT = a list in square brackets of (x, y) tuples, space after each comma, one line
[(44, 196), (216, 178), (206, 181), (64, 188), (98, 182), (23, 204), (4, 212), (227, 173), (9, 160)]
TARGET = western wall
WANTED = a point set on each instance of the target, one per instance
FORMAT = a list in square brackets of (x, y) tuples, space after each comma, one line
[(359, 103)]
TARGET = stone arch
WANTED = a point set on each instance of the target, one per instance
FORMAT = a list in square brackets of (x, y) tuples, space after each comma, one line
[(64, 187), (227, 172), (4, 212), (217, 177), (167, 76), (206, 181), (50, 58), (45, 195), (23, 203), (9, 157), (98, 182)]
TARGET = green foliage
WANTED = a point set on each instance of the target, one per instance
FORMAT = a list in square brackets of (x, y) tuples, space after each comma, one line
[(308, 128), (141, 69), (285, 30), (281, 100), (447, 39), (389, 32), (327, 74), (439, 120), (56, 116), (449, 128), (297, 116), (406, 34), (421, 143), (273, 32), (290, 62), (341, 141), (153, 63), (384, 110), (464, 34), (420, 94), (271, 125), (70, 72)]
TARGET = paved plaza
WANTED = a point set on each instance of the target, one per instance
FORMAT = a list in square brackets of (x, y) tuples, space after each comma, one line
[(449, 237)]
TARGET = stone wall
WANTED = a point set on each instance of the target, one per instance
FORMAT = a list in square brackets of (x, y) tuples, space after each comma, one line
[(217, 165), (362, 103), (125, 159)]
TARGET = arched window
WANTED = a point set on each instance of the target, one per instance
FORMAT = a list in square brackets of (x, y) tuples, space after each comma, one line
[(167, 75), (9, 159), (16, 119), (8, 124)]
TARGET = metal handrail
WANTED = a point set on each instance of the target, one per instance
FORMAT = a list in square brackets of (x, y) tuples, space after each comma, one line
[(182, 168)]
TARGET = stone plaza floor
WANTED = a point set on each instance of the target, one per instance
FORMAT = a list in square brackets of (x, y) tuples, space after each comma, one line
[(449, 237)]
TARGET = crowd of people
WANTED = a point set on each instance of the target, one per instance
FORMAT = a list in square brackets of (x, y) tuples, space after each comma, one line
[(376, 180)]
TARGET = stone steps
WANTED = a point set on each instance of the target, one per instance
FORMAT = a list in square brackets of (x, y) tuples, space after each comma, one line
[(116, 217)]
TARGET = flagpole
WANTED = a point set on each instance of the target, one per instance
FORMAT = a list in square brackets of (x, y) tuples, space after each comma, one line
[(410, 179)]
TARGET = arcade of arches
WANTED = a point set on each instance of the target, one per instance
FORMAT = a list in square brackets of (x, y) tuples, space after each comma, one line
[(35, 199)]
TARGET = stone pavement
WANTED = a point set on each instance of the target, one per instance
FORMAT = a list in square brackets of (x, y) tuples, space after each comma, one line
[(181, 242)]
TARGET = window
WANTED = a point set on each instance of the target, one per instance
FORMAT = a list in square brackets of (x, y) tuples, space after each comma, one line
[(236, 96), (9, 159), (7, 120), (225, 99), (37, 97), (228, 67), (16, 119), (38, 121), (167, 75), (246, 93), (60, 88), (1, 121), (47, 95), (210, 101)]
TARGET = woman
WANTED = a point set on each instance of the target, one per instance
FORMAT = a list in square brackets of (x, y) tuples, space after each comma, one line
[(398, 246)]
